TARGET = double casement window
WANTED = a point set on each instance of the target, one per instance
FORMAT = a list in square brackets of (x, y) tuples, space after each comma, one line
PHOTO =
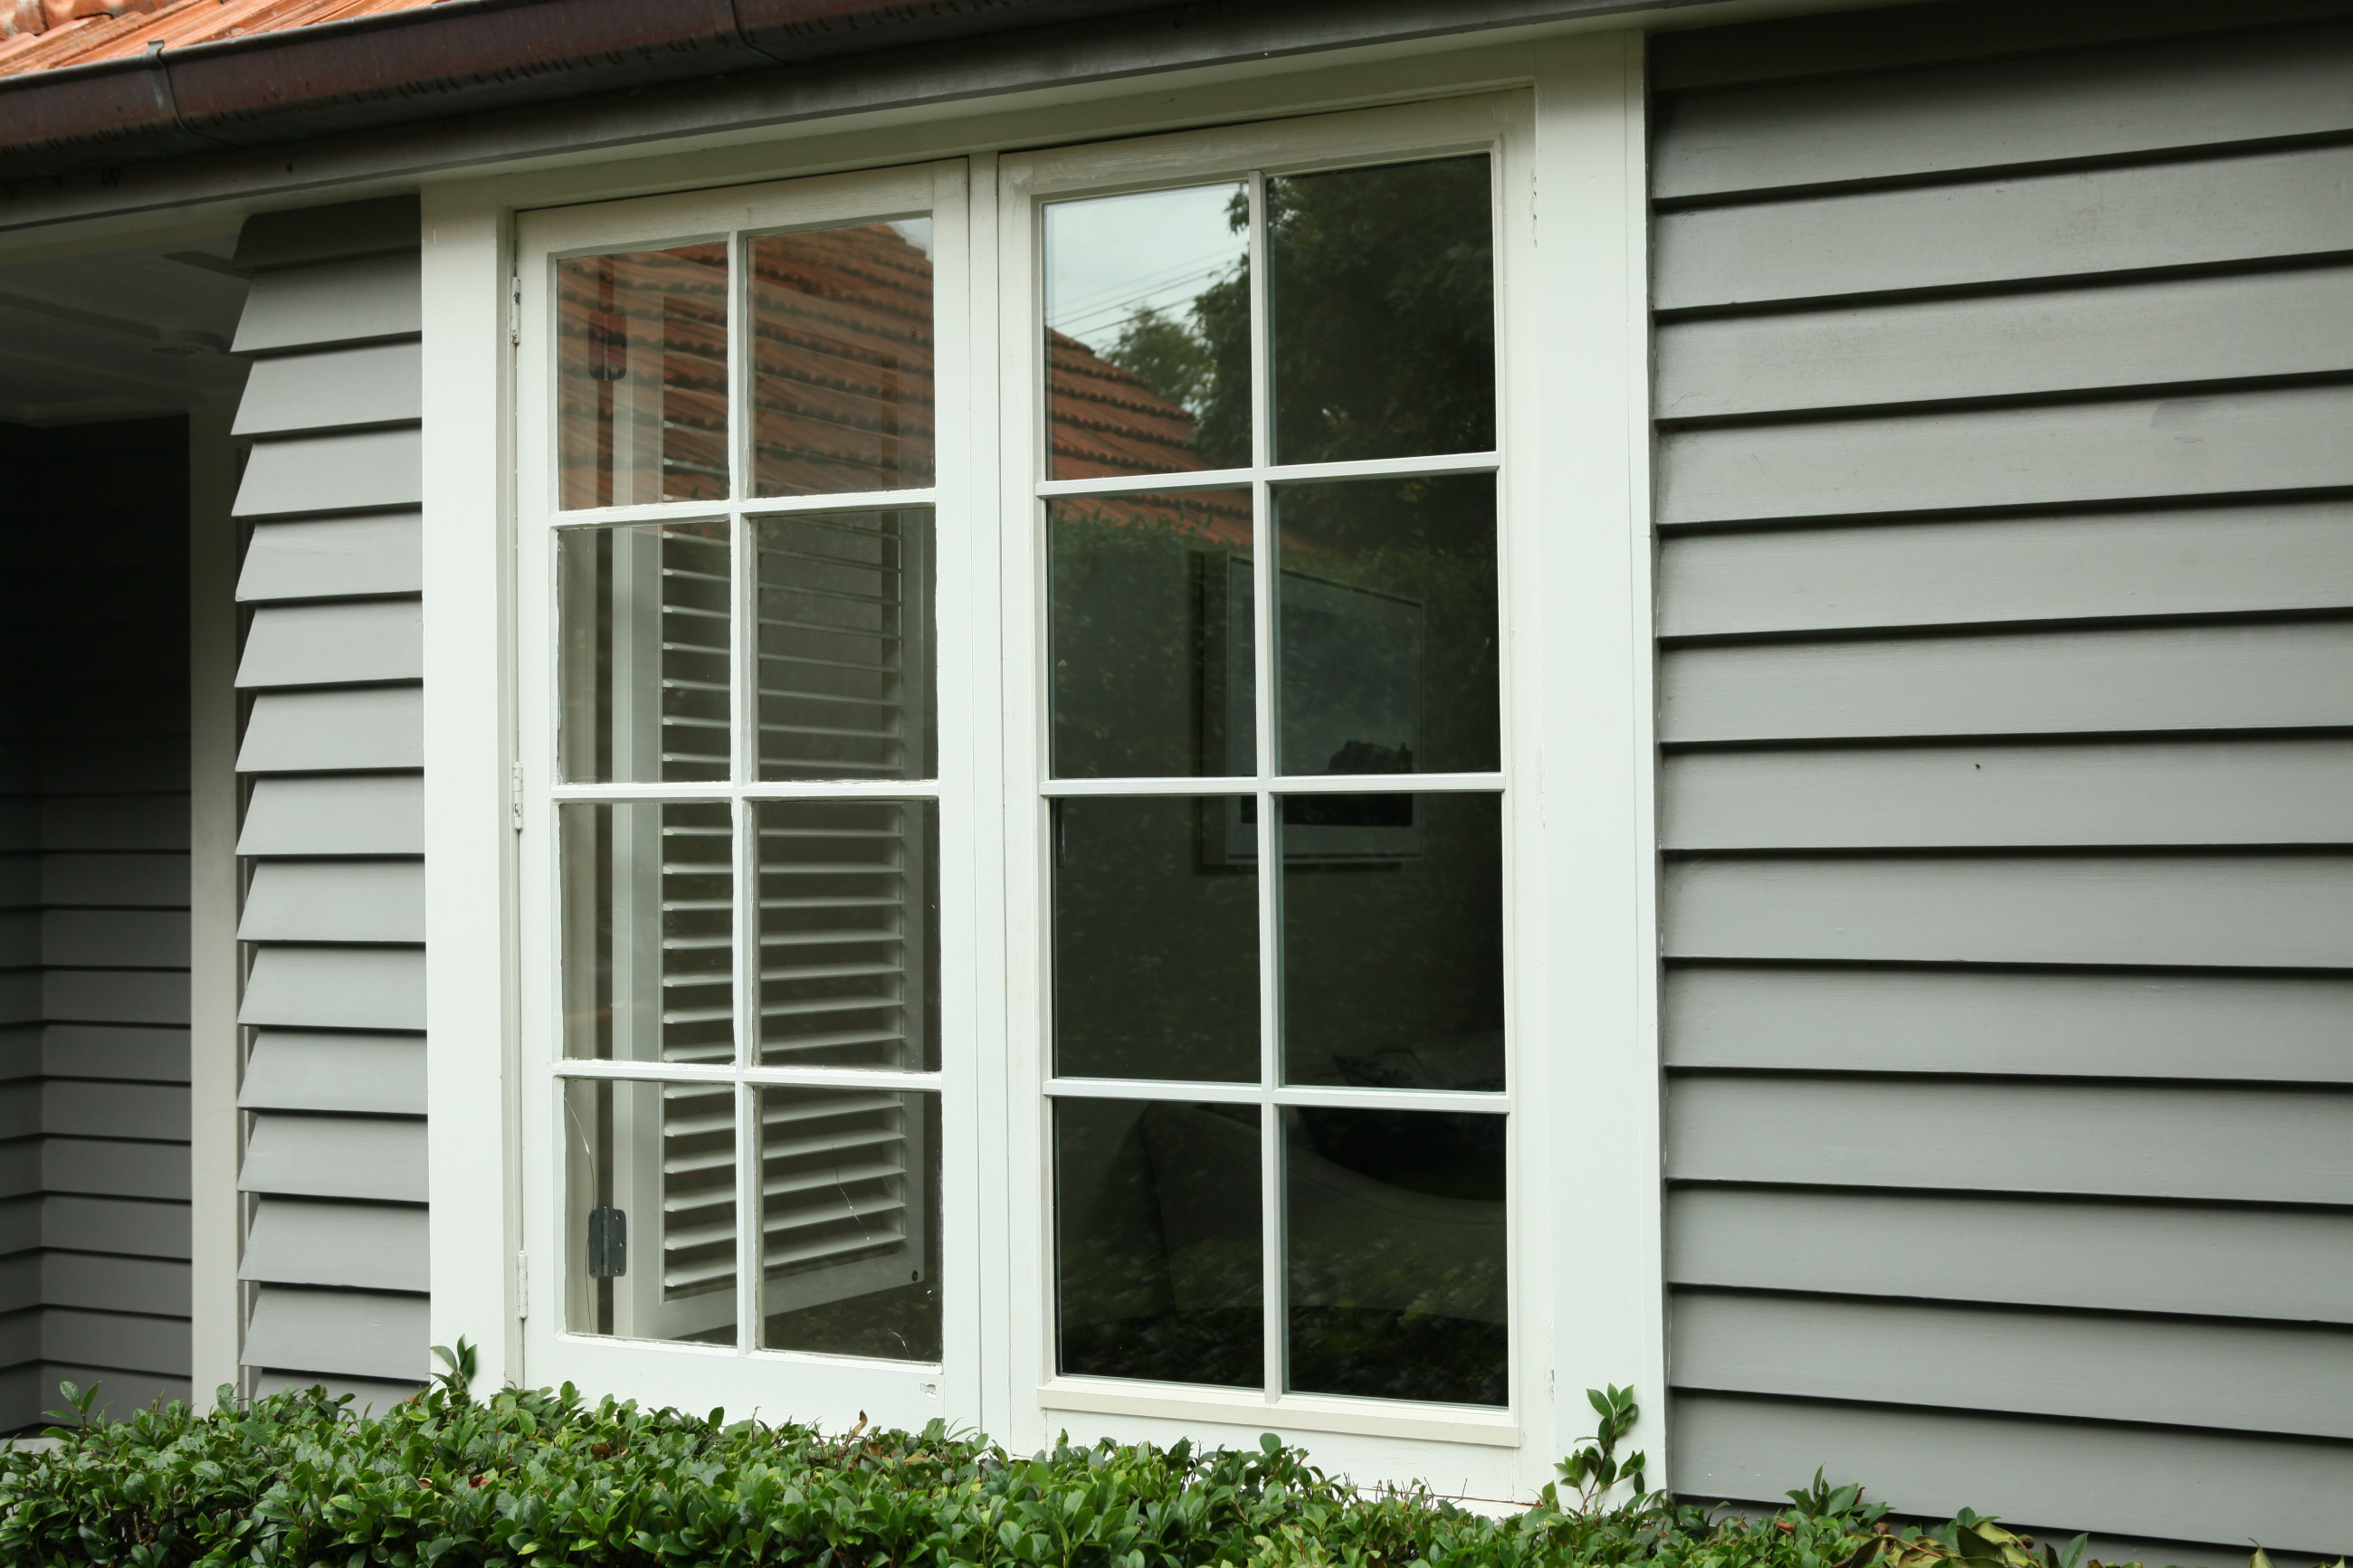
[(1017, 741)]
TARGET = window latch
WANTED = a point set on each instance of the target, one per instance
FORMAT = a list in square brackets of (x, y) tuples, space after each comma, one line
[(514, 798)]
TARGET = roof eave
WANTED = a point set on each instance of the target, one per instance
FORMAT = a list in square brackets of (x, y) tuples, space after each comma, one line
[(458, 56)]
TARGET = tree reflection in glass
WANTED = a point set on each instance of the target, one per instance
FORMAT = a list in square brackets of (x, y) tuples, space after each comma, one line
[(1382, 285), (1147, 332)]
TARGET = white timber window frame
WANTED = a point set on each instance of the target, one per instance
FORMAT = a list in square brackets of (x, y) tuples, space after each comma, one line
[(644, 1351), (1563, 113), (1493, 126)]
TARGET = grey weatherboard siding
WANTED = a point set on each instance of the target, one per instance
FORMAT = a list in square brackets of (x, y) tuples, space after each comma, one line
[(2005, 534), (94, 1235), (333, 832)]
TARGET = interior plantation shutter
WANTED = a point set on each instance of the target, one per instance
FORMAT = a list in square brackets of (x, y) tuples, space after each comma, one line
[(842, 969)]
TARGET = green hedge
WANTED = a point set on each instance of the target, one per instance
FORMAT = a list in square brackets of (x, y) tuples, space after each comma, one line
[(532, 1478)]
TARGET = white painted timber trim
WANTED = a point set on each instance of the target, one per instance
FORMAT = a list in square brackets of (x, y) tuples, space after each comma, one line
[(1249, 1409), (214, 1056), (1597, 1076), (468, 729)]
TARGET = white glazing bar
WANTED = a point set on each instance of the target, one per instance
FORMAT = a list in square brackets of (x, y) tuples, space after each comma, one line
[(1065, 788), (1339, 1096), (812, 1359), (806, 1078), (635, 1071), (890, 1079), (1270, 881), (1318, 783), (647, 511), (1156, 1089), (739, 366), (780, 789), (1280, 473), (841, 501), (749, 1261), (742, 652), (1261, 337), (1128, 484), (1385, 784)]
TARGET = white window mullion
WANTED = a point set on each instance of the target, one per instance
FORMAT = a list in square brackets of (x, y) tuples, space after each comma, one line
[(1270, 839)]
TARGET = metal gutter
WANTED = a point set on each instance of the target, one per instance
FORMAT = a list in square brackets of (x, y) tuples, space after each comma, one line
[(455, 58)]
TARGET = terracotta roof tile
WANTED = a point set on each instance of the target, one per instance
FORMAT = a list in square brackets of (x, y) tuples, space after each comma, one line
[(43, 34)]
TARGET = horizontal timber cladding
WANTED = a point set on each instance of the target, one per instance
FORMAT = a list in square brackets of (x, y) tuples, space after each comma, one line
[(94, 831), (375, 727), (2170, 1482), (294, 1241), (358, 1333), (303, 1069), (333, 914), (2005, 603), (2053, 567), (333, 558), (346, 814), (2206, 1025), (2223, 444), (335, 643), (2078, 226), (2254, 1377), (2269, 791)]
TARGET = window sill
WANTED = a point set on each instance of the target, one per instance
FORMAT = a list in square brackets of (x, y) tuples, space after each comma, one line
[(1294, 1411)]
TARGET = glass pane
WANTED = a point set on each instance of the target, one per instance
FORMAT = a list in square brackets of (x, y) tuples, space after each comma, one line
[(1393, 940), (845, 632), (644, 653), (1156, 1242), (1394, 1255), (650, 1210), (841, 359), (849, 934), (1388, 600), (1155, 942), (649, 931), (641, 376), (850, 1222), (1147, 332), (1382, 283), (1151, 635)]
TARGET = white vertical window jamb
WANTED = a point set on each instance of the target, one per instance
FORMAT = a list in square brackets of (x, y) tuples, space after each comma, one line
[(1264, 732)]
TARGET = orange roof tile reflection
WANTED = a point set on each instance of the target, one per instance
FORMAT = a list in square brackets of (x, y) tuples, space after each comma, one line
[(42, 35), (841, 384)]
